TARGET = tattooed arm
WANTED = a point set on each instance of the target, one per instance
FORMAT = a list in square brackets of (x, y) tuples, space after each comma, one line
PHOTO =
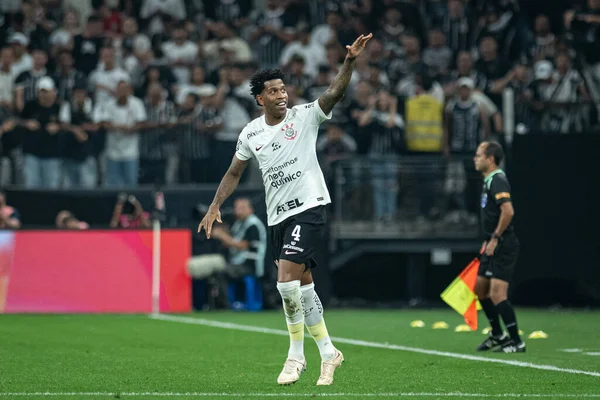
[(336, 90), (226, 187)]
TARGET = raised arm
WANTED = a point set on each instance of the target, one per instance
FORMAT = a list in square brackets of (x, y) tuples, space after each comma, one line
[(226, 187), (335, 91)]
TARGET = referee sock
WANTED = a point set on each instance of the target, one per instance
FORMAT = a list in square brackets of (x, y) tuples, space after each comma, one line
[(313, 318), (505, 309), (294, 316), (491, 312)]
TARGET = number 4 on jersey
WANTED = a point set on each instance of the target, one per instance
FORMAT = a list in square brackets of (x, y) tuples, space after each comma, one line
[(296, 233)]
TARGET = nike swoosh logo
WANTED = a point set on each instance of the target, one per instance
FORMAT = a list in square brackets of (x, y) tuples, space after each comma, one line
[(291, 252), (259, 147)]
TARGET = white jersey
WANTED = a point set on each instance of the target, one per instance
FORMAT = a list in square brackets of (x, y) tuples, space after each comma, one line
[(287, 157)]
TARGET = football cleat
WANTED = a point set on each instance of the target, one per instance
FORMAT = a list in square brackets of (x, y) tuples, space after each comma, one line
[(328, 368), (292, 369)]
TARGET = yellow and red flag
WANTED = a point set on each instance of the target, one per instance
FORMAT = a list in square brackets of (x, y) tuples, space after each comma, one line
[(460, 294)]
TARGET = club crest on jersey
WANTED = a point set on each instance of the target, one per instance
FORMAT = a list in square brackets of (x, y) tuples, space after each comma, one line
[(483, 200), (289, 133)]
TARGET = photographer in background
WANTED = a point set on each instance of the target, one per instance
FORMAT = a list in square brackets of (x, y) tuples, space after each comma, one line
[(128, 213), (247, 244)]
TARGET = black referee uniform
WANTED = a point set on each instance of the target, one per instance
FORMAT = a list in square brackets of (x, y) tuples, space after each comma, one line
[(496, 190)]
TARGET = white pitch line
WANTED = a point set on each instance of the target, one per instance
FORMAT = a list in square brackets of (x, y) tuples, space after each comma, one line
[(295, 395), (363, 343)]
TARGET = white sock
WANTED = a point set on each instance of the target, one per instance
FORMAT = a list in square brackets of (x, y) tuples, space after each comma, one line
[(294, 316), (313, 319)]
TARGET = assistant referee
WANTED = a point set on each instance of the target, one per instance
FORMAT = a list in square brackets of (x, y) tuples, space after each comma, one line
[(501, 249)]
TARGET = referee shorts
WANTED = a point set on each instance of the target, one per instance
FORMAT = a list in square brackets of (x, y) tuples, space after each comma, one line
[(502, 264)]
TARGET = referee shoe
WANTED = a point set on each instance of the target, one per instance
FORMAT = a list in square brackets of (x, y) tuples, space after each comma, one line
[(512, 347), (493, 341)]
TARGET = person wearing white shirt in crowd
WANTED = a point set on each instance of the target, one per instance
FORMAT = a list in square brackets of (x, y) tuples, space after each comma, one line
[(155, 9), (312, 53), (62, 38), (22, 60), (7, 78), (122, 117), (106, 77), (181, 54), (197, 81)]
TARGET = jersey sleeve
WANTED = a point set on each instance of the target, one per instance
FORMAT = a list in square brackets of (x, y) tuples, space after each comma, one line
[(242, 149), (500, 190), (312, 113)]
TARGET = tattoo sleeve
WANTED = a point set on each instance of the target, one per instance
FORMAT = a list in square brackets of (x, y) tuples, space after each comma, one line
[(230, 180), (336, 90)]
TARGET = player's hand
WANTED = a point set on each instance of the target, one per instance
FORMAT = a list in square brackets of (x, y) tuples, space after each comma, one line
[(207, 222), (358, 46), (491, 247)]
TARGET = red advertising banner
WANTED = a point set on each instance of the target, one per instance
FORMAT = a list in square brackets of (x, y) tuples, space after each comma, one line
[(108, 271)]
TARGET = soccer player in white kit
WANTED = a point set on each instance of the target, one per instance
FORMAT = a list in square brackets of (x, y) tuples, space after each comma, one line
[(284, 143)]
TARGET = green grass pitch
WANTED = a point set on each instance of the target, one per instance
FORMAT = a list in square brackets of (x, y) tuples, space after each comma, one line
[(134, 356)]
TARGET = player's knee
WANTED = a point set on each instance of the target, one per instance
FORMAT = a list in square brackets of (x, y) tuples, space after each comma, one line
[(289, 271)]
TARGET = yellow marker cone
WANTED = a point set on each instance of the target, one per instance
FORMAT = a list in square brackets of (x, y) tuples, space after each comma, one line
[(486, 331), (538, 335), (521, 332), (440, 325), (463, 328), (417, 324)]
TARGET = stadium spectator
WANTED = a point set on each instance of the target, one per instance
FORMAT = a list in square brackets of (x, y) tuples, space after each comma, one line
[(382, 120), (273, 28), (87, 45), (67, 77), (107, 75), (313, 55), (26, 82), (197, 80), (122, 117), (62, 38), (7, 78), (22, 60), (41, 143), (76, 116), (437, 56), (154, 135), (181, 54), (544, 43), (197, 135), (334, 146)]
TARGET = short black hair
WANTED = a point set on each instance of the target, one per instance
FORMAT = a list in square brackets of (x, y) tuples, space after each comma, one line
[(494, 149), (257, 82)]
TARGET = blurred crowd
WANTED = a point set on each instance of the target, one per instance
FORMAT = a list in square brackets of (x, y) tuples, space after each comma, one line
[(128, 92)]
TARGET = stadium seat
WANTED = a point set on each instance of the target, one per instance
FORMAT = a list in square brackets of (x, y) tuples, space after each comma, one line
[(252, 297)]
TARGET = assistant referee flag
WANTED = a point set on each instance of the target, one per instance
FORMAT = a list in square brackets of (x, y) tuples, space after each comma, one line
[(460, 294)]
